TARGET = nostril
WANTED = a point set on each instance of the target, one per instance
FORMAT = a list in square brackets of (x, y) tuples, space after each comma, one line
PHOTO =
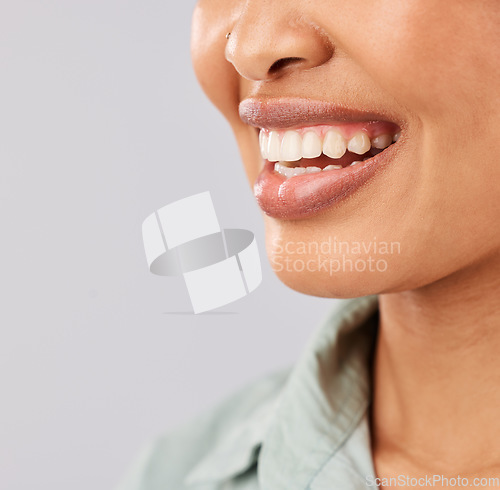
[(283, 63)]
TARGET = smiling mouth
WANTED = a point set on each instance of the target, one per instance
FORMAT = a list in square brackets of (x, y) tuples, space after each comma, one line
[(325, 147), (316, 153)]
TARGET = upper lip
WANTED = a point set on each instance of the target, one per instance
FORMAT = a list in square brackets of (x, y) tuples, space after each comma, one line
[(289, 113)]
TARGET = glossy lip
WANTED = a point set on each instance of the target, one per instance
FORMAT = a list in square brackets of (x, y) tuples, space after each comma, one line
[(305, 195), (308, 194)]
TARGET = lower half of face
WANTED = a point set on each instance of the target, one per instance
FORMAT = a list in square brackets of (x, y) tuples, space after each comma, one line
[(395, 200)]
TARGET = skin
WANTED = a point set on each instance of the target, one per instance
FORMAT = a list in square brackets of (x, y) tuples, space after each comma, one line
[(435, 66)]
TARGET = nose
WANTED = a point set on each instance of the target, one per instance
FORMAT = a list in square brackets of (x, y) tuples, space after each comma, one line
[(272, 38)]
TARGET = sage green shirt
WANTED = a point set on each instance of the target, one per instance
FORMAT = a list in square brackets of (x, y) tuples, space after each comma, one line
[(306, 429)]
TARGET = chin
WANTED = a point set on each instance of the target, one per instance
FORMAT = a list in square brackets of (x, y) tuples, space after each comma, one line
[(336, 275), (333, 268), (340, 285)]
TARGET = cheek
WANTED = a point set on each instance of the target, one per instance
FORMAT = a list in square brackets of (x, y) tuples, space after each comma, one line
[(248, 145), (212, 20), (392, 42)]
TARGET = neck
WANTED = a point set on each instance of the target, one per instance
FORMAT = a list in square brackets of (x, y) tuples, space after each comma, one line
[(437, 373)]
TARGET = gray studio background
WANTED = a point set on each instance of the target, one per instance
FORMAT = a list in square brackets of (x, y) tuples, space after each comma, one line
[(101, 123)]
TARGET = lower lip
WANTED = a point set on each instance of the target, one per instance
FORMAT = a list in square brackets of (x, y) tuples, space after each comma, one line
[(305, 195)]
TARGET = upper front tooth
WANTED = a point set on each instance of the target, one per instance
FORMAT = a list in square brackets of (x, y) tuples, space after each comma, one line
[(382, 141), (291, 147), (312, 146), (264, 142), (273, 147), (359, 143), (334, 144)]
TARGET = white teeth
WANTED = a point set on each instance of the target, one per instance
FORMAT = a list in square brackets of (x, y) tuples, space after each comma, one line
[(312, 147), (382, 141), (334, 144), (355, 163), (283, 169), (264, 142), (288, 172), (359, 143), (273, 147), (291, 147)]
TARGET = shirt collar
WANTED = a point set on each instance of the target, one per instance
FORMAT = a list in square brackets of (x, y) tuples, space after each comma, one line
[(315, 431), (237, 451)]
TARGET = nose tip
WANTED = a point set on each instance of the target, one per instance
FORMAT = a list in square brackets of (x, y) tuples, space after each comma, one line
[(264, 45)]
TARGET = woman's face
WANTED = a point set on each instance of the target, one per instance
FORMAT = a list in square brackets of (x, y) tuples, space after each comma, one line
[(313, 77)]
